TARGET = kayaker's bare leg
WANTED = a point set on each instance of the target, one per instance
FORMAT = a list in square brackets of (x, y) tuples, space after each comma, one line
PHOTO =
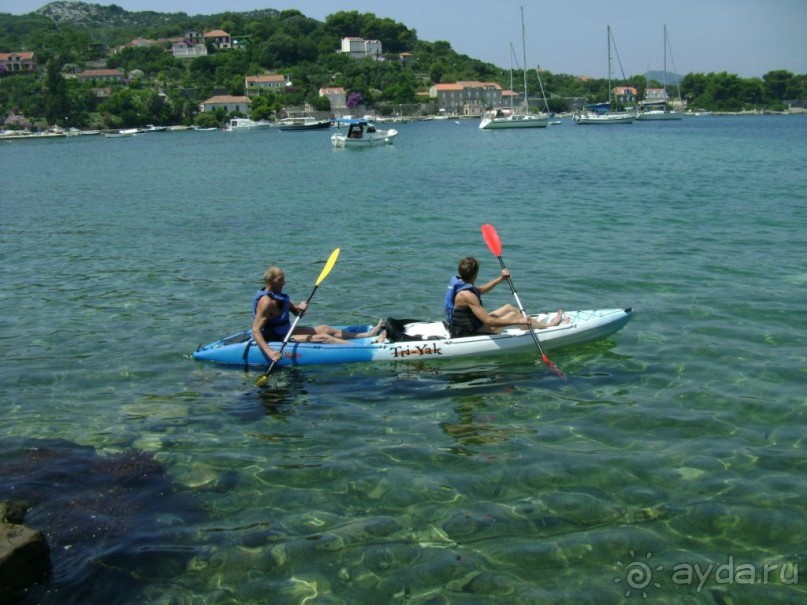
[(374, 332), (555, 321), (323, 334), (330, 335), (508, 311)]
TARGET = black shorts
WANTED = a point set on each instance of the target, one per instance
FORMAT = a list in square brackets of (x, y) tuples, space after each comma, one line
[(459, 332), (270, 335)]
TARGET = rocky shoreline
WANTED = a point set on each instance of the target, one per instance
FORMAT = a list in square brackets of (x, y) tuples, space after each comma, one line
[(24, 553)]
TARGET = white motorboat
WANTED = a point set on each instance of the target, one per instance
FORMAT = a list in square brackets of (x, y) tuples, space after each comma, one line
[(361, 133), (245, 124)]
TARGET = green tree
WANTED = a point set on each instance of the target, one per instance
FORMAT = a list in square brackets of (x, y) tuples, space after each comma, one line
[(321, 103), (57, 102), (776, 84), (207, 119)]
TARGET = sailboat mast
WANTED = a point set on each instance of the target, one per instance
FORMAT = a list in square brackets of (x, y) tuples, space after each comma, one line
[(665, 65), (609, 63), (512, 54), (524, 63)]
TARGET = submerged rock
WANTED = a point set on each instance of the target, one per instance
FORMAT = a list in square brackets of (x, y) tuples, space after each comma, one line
[(99, 515), (24, 556)]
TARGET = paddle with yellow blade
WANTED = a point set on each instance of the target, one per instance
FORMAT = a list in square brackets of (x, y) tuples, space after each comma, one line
[(495, 246), (327, 269)]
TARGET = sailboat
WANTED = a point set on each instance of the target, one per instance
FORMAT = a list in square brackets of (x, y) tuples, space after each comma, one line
[(660, 110), (600, 113), (501, 118)]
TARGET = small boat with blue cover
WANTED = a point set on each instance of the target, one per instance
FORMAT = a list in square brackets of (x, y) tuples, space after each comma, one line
[(417, 341)]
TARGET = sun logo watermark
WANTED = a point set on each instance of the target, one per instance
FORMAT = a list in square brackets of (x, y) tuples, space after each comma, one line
[(638, 575)]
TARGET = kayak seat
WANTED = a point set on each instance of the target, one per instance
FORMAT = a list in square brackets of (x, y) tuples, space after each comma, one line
[(399, 330), (431, 330)]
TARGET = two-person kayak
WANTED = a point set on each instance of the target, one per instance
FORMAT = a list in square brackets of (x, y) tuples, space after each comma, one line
[(417, 341)]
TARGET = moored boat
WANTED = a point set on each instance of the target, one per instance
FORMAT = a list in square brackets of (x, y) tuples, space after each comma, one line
[(502, 118), (602, 113), (245, 124), (303, 123), (127, 132), (361, 133), (659, 109), (420, 341), (658, 113)]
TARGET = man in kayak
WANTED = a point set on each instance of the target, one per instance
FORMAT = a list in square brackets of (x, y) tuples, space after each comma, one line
[(465, 315), (272, 309)]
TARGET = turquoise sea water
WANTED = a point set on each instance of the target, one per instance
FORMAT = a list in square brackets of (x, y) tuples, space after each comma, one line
[(671, 464)]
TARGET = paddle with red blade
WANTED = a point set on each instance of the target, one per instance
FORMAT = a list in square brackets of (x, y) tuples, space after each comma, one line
[(495, 246)]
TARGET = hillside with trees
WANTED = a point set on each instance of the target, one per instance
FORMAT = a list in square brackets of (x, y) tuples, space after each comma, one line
[(68, 37)]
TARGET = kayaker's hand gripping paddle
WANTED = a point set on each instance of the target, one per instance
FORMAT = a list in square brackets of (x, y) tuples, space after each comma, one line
[(495, 246), (327, 269)]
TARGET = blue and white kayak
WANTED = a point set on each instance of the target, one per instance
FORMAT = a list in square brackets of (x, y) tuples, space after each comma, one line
[(423, 340)]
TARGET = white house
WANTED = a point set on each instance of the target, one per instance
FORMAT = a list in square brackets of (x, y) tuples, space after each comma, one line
[(267, 82), (336, 95), (359, 48), (227, 102), (467, 98), (187, 50), (655, 95), (219, 38)]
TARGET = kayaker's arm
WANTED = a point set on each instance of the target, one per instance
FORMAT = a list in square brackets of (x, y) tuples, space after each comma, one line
[(298, 309), (468, 299), (262, 314), (495, 282)]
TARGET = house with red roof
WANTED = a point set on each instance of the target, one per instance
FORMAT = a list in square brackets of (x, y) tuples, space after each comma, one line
[(229, 103), (101, 75), (219, 38), (467, 98), (17, 62), (254, 85)]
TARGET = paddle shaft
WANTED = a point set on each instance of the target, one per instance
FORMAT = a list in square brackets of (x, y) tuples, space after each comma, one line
[(494, 243), (523, 312)]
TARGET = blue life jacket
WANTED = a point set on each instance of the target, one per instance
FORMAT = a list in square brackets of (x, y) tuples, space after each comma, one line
[(274, 329), (455, 286)]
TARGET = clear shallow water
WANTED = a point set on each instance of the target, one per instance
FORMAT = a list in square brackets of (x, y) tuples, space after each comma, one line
[(676, 444)]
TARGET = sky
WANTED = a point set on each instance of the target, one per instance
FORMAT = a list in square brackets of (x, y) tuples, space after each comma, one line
[(744, 37)]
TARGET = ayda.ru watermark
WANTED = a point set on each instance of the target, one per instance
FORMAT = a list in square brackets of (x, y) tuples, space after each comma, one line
[(642, 576)]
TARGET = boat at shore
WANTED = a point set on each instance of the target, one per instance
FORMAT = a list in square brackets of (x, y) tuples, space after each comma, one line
[(126, 132), (245, 124), (417, 341), (22, 135), (302, 123)]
